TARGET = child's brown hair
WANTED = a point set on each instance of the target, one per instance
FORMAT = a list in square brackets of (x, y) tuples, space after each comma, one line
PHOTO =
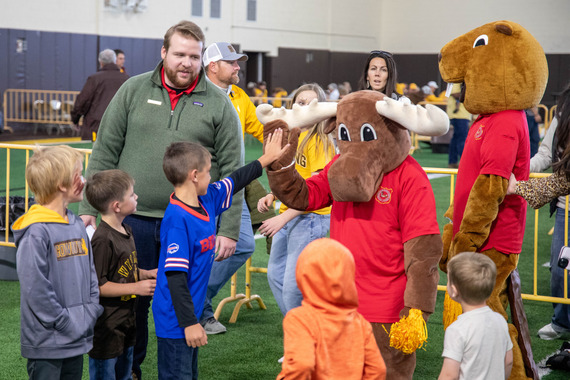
[(474, 275), (182, 157), (107, 186)]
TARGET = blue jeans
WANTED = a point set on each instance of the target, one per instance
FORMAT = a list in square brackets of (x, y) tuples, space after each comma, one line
[(146, 232), (533, 134), (460, 130), (287, 245), (118, 368), (560, 317), (176, 361), (53, 369), (222, 271)]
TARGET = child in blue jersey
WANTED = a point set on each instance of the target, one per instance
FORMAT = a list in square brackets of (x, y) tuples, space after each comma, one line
[(188, 238)]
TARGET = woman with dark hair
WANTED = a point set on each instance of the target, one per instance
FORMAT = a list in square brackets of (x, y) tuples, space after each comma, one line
[(380, 74), (554, 151)]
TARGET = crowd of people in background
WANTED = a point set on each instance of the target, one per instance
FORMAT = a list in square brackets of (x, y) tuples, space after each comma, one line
[(336, 91)]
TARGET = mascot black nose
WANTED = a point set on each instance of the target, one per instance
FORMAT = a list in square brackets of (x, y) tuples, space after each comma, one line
[(438, 57)]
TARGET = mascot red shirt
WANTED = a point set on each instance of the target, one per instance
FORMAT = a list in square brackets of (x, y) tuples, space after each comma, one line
[(403, 208), (496, 144)]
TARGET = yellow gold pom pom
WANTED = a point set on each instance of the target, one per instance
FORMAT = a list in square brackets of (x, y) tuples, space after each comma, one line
[(451, 310), (409, 333)]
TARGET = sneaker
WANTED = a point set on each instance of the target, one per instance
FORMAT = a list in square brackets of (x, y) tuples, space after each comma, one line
[(551, 332), (560, 360), (212, 326)]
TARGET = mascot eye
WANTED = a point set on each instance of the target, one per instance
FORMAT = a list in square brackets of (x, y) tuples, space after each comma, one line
[(367, 133), (343, 134), (482, 40)]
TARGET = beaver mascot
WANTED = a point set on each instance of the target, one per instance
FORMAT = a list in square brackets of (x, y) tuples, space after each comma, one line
[(503, 71)]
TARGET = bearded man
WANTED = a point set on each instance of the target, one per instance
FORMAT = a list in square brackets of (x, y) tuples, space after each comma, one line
[(174, 102)]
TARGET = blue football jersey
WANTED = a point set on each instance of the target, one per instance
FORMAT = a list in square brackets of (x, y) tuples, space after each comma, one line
[(187, 240)]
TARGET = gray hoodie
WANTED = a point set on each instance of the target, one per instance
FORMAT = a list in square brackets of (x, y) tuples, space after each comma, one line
[(59, 293)]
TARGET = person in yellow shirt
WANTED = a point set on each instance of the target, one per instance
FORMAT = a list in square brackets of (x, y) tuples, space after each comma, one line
[(295, 229), (261, 91), (278, 93), (222, 69), (431, 97)]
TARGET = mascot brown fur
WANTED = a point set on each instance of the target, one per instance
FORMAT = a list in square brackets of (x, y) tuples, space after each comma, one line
[(383, 208), (503, 71)]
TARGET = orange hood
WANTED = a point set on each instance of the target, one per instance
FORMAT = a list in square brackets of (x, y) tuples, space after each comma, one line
[(325, 276)]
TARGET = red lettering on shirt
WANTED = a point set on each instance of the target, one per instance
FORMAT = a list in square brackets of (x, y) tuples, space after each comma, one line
[(208, 243)]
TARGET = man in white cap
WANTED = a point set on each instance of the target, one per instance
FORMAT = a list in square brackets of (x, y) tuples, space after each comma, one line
[(433, 86), (433, 97), (222, 69)]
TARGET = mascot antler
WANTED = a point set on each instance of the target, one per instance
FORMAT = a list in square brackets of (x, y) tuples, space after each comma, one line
[(299, 116), (429, 121)]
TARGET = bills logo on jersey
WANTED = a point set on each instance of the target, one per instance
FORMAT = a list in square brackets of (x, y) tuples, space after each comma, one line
[(384, 195), (217, 184), (172, 249), (479, 133)]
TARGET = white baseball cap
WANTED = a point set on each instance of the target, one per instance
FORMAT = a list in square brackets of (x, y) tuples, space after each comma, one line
[(221, 51), (432, 83)]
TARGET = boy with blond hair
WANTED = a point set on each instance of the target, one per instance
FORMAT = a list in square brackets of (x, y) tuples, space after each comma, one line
[(59, 295), (477, 345), (111, 192), (188, 239)]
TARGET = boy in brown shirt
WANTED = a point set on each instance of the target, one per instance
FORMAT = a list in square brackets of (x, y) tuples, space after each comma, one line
[(120, 280)]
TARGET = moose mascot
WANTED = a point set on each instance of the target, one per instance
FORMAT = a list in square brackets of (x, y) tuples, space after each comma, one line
[(383, 207)]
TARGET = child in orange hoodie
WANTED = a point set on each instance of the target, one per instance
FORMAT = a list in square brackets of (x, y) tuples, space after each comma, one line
[(325, 337)]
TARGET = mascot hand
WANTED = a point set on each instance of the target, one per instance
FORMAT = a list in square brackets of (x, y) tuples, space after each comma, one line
[(410, 332), (289, 137), (272, 126), (447, 238), (406, 311)]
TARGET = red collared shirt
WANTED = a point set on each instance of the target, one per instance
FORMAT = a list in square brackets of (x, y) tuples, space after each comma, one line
[(173, 94)]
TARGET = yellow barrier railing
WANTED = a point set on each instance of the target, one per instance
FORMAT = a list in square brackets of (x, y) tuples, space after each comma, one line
[(26, 149), (247, 298), (551, 114), (546, 119), (52, 109), (534, 296)]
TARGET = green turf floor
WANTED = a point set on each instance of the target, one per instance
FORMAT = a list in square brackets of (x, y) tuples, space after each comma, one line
[(251, 347)]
